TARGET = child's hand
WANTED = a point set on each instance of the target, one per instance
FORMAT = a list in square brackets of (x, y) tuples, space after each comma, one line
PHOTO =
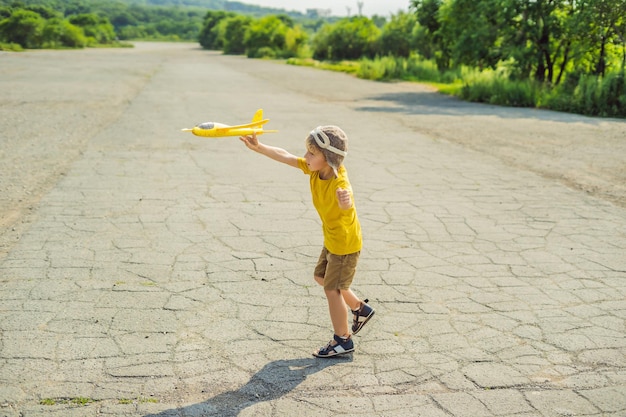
[(344, 199), (251, 141)]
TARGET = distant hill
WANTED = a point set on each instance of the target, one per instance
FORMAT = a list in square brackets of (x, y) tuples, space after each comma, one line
[(233, 6), (172, 20)]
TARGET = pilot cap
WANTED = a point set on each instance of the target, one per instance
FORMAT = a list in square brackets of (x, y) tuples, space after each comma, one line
[(333, 142)]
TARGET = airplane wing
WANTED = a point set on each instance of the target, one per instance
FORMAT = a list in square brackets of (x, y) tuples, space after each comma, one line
[(258, 124), (257, 121), (252, 124)]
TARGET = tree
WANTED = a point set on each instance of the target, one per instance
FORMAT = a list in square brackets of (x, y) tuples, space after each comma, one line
[(267, 34), (233, 33), (5, 12), (209, 36), (396, 37), (350, 38), (99, 29), (23, 27), (601, 27), (43, 11), (59, 32), (537, 36), (621, 40), (379, 21), (431, 43), (471, 28), (295, 40)]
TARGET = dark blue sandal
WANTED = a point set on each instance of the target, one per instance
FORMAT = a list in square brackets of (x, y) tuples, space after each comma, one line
[(361, 316), (338, 346)]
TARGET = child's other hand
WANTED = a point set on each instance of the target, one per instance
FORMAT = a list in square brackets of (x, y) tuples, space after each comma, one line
[(251, 141), (344, 199)]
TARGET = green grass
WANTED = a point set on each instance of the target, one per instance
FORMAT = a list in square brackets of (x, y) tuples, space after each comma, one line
[(147, 400), (494, 87), (451, 89), (80, 401), (350, 67), (583, 94)]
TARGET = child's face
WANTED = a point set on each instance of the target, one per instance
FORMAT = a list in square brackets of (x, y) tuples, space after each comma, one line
[(315, 159)]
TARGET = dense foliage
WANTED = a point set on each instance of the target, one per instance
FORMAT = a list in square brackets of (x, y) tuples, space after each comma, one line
[(567, 55), (169, 20), (126, 20), (43, 27), (563, 54)]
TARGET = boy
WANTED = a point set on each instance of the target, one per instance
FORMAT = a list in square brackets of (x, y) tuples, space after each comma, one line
[(332, 197)]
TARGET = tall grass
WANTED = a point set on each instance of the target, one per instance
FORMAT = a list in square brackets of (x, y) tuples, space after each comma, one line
[(413, 68), (590, 95), (495, 87), (583, 94)]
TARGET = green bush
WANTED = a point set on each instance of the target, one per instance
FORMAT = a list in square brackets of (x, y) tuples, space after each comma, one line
[(396, 37), (59, 33), (24, 28), (263, 52), (232, 34), (296, 43), (590, 95), (267, 33), (209, 36), (612, 95), (12, 47), (371, 70), (132, 32), (348, 39), (422, 69), (98, 29), (413, 68)]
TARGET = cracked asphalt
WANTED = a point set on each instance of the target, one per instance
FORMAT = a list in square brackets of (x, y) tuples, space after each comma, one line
[(148, 272)]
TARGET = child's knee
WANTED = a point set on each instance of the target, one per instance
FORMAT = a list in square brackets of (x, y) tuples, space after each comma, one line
[(319, 280)]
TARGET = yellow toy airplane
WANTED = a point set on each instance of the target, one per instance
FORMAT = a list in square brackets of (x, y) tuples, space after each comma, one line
[(218, 130)]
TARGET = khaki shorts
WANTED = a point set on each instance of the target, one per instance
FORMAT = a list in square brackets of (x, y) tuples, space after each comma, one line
[(337, 270)]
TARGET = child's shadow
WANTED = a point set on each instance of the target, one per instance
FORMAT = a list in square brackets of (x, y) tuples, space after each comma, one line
[(273, 381)]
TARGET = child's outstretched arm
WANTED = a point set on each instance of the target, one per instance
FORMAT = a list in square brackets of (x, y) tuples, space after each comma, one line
[(277, 154)]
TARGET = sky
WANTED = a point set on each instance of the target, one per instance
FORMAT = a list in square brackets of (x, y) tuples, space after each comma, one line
[(338, 7)]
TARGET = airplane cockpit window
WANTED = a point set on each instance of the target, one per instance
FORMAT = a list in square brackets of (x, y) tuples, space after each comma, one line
[(207, 125)]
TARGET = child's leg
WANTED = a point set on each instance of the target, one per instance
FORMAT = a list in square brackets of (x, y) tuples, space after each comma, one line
[(353, 302), (338, 312)]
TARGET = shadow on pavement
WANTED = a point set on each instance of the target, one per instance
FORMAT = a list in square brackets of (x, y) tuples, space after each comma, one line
[(434, 103), (273, 381)]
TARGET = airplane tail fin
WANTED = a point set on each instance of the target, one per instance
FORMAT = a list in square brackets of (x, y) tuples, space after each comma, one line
[(258, 116), (257, 119)]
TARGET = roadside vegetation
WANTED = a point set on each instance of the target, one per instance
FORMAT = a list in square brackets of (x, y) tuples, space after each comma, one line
[(565, 55)]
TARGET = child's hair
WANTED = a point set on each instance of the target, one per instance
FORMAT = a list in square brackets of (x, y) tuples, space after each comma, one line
[(332, 142)]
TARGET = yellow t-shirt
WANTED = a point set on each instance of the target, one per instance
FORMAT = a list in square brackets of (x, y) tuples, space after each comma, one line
[(342, 230)]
